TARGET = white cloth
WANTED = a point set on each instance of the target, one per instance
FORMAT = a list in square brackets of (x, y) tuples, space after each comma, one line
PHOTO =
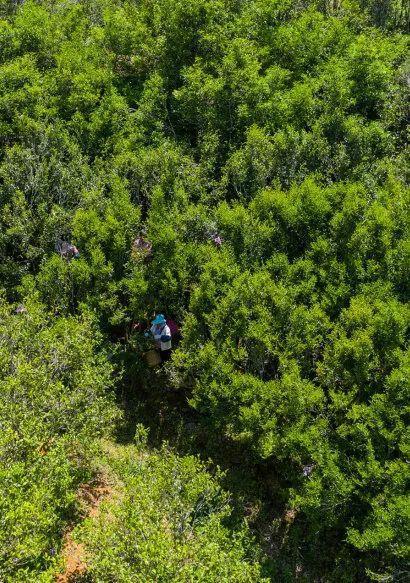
[(166, 332), (161, 330), (156, 331)]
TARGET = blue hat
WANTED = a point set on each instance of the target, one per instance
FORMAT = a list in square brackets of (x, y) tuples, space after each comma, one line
[(159, 319)]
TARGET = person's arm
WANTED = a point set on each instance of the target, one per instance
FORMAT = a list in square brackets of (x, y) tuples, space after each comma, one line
[(156, 332), (149, 332), (166, 334)]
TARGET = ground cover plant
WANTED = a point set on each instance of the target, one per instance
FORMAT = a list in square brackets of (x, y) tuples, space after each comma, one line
[(166, 523)]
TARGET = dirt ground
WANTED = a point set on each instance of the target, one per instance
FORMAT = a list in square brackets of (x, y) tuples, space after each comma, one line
[(73, 553)]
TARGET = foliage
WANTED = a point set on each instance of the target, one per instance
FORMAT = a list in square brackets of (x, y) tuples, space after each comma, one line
[(279, 125), (168, 523), (54, 404)]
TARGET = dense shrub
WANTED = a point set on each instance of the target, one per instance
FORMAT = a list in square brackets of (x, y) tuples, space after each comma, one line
[(168, 522), (55, 402), (279, 125)]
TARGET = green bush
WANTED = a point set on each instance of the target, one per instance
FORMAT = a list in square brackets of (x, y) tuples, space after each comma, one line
[(55, 403), (167, 522), (281, 126)]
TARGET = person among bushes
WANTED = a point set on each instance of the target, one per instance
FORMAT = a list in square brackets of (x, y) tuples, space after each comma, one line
[(162, 335)]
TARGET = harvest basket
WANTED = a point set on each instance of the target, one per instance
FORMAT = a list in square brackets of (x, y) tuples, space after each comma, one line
[(152, 358)]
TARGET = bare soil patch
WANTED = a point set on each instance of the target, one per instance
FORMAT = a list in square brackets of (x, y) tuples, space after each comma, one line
[(73, 552)]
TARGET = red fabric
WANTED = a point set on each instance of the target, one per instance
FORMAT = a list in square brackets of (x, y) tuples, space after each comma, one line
[(173, 326)]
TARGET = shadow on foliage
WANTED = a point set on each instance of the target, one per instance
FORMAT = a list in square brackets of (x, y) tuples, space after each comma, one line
[(259, 490)]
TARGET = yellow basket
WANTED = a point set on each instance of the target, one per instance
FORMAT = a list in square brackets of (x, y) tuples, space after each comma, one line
[(152, 358)]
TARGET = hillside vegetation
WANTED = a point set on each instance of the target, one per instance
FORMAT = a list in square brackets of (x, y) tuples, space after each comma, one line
[(274, 444)]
